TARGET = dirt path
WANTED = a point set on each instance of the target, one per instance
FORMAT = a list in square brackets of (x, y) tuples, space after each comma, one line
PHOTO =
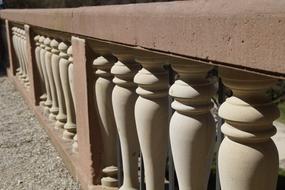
[(28, 161)]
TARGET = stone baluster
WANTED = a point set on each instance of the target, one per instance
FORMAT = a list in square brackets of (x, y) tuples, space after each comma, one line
[(48, 103), (20, 45), (55, 58), (124, 98), (25, 56), (103, 91), (69, 126), (54, 107), (20, 50), (71, 82), (248, 158), (151, 115), (70, 72), (40, 69), (15, 40), (61, 116), (192, 126)]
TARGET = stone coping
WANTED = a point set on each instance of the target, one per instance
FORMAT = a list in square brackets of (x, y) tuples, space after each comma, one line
[(237, 33)]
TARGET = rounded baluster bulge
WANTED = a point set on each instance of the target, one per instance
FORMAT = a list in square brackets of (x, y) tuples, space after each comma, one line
[(248, 158)]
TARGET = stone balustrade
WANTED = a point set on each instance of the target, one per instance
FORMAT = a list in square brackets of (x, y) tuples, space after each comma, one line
[(54, 64), (92, 95), (19, 44)]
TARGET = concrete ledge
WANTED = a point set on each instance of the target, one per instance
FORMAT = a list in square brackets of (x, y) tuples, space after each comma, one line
[(236, 33)]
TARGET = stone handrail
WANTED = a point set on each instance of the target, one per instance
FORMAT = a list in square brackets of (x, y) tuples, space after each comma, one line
[(243, 34)]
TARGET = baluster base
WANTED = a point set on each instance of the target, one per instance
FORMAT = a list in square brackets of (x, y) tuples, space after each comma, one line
[(43, 99), (69, 131), (110, 179), (53, 114), (75, 144)]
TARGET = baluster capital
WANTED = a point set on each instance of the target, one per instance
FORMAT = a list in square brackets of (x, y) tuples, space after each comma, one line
[(54, 47), (47, 44), (240, 81), (17, 32), (41, 41), (36, 39), (63, 50), (192, 91), (103, 64), (22, 32), (14, 31), (124, 69), (152, 79), (249, 107)]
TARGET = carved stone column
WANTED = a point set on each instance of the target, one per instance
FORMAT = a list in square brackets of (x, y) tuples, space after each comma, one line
[(70, 73), (40, 69), (103, 91), (69, 126), (54, 108), (192, 126), (57, 83), (15, 40), (71, 82), (63, 57), (124, 98), (21, 48), (25, 56), (47, 104), (248, 158), (13, 66), (151, 114)]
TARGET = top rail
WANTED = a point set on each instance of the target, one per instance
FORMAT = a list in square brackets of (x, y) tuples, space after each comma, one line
[(236, 33)]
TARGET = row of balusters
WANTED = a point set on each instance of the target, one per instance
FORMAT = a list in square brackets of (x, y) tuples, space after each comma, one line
[(132, 99), (55, 67), (132, 95), (134, 102), (20, 47)]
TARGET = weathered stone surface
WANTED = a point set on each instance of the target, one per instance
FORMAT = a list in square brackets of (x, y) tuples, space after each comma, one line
[(245, 34)]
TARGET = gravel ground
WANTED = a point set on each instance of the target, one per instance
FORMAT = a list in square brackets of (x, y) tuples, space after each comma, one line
[(28, 161)]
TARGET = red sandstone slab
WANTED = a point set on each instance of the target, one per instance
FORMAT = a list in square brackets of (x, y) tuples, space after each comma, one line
[(89, 140), (235, 32)]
